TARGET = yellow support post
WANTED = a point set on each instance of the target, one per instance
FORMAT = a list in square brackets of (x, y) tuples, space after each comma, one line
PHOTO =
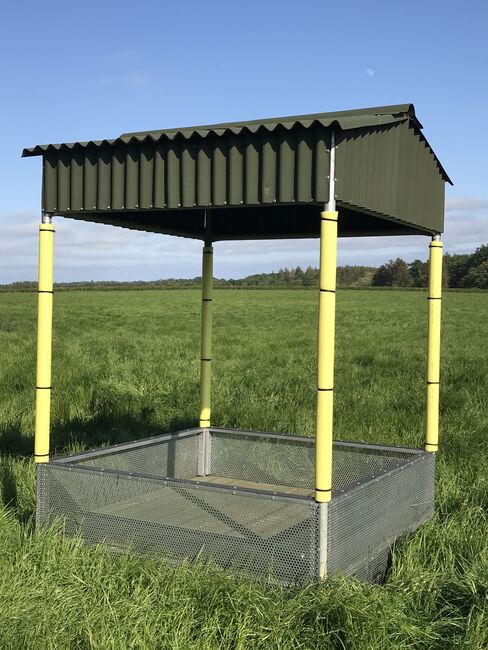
[(326, 339), (206, 335), (434, 345), (44, 341)]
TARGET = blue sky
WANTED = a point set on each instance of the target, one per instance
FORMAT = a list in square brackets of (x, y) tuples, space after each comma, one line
[(86, 70)]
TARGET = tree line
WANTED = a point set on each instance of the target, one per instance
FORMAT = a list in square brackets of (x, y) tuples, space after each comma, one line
[(467, 271), (347, 276), (459, 271)]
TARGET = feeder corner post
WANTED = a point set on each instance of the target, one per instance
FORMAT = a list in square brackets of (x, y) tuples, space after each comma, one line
[(206, 333), (434, 345), (44, 340), (325, 357), (325, 380), (326, 342)]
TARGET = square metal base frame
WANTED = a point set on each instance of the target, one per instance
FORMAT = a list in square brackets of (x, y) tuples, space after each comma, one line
[(243, 499)]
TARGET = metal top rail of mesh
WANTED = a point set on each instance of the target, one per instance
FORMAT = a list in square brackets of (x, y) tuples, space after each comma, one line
[(125, 446), (398, 458), (144, 442)]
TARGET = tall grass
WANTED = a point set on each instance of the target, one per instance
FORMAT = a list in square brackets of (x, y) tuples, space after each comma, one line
[(126, 366)]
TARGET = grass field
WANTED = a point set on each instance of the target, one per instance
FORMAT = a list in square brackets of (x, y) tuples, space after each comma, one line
[(126, 366)]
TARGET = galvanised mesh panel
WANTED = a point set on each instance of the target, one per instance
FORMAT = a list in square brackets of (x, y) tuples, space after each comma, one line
[(175, 457), (374, 568), (257, 533), (352, 464), (281, 461), (261, 458), (366, 520), (42, 500), (124, 495)]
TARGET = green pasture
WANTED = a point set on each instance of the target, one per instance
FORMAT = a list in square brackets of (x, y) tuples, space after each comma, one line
[(126, 366)]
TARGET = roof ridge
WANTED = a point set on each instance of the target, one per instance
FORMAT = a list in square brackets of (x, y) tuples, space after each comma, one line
[(393, 110)]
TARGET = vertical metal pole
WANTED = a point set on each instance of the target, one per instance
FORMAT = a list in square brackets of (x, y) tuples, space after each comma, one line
[(44, 340), (323, 539), (206, 334), (326, 340), (434, 344)]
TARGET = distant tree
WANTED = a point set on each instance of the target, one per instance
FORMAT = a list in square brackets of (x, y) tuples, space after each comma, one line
[(457, 267), (298, 276), (286, 276), (476, 269), (354, 276), (418, 273), (310, 277), (478, 276), (479, 256), (393, 274), (382, 277)]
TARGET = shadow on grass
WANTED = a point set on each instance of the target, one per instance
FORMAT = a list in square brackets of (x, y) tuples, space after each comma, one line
[(8, 486), (108, 428), (13, 442), (104, 428)]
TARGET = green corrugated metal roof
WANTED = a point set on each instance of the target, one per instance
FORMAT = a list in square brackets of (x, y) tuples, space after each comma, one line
[(352, 119), (345, 119), (389, 180)]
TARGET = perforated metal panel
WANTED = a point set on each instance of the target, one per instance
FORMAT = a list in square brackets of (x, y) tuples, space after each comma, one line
[(262, 458), (253, 510), (374, 568), (290, 461), (365, 521), (171, 456), (243, 530)]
